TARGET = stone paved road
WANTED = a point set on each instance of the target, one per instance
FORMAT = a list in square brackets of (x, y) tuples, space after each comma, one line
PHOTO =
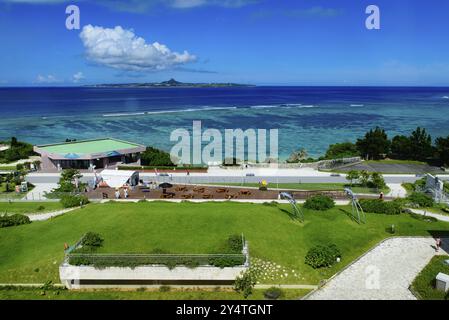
[(384, 273)]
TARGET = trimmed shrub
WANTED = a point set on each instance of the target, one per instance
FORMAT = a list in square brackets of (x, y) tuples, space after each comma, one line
[(70, 201), (14, 220), (380, 206), (273, 293), (92, 239), (320, 203), (421, 199), (245, 284), (235, 243), (223, 262), (322, 256)]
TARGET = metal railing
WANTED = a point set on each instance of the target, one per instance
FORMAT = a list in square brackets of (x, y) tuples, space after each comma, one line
[(171, 260)]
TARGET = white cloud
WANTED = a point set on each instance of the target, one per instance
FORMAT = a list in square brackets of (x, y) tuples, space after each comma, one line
[(77, 77), (46, 79), (119, 48)]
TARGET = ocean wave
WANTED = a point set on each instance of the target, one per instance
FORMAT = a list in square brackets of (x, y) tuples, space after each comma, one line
[(264, 106), (285, 106), (166, 111), (446, 97), (357, 105)]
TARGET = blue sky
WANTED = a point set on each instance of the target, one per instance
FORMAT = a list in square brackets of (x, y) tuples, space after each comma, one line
[(264, 42)]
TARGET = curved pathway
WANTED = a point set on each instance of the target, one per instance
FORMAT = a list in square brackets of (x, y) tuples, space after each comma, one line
[(384, 273), (48, 215), (437, 216)]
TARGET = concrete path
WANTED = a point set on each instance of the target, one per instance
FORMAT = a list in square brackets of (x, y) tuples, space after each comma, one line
[(39, 190), (437, 216), (384, 273), (396, 190), (48, 215)]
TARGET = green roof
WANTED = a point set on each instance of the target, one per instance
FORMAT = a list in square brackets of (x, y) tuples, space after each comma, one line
[(88, 146)]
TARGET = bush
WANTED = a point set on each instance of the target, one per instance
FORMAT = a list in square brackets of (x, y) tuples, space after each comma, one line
[(155, 157), (322, 256), (70, 201), (235, 244), (223, 262), (273, 293), (245, 284), (421, 199), (164, 288), (380, 206), (40, 208), (319, 202), (92, 239), (14, 220)]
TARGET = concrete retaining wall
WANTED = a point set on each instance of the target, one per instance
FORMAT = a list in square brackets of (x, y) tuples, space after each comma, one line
[(79, 277)]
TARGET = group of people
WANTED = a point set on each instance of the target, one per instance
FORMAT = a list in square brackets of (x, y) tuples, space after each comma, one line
[(118, 194)]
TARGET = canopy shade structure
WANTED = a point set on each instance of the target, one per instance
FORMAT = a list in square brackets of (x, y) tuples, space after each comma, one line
[(89, 149), (93, 154), (118, 178)]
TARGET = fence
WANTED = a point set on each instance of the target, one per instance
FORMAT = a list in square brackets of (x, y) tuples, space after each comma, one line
[(102, 260), (32, 196)]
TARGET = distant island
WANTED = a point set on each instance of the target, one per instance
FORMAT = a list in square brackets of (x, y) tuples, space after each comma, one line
[(169, 84)]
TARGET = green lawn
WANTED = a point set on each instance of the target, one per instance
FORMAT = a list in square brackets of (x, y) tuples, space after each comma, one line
[(424, 283), (309, 186), (6, 167), (139, 294), (29, 207), (31, 253)]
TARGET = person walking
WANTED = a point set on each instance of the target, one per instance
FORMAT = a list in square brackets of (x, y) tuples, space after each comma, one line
[(438, 244), (117, 193), (125, 193)]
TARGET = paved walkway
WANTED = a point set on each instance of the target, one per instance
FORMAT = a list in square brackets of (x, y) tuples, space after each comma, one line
[(437, 216), (384, 273), (48, 215), (39, 190), (396, 190)]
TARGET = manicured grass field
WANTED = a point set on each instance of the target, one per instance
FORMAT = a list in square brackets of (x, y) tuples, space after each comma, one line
[(424, 283), (138, 294), (31, 253), (309, 186), (5, 167), (29, 207)]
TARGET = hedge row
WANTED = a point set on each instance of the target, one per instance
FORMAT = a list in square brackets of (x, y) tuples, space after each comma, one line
[(14, 220), (380, 206), (99, 261)]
